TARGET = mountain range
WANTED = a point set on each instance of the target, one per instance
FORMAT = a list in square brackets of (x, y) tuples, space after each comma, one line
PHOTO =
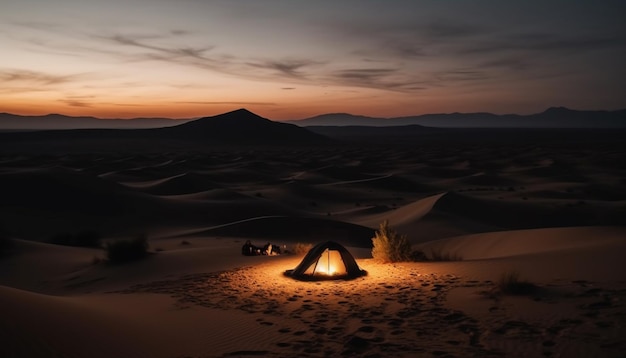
[(10, 121), (555, 117)]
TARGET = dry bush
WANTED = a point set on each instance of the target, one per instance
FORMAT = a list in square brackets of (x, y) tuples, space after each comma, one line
[(510, 283), (389, 246), (301, 249)]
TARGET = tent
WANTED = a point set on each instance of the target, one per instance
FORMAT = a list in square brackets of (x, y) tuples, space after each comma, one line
[(327, 261)]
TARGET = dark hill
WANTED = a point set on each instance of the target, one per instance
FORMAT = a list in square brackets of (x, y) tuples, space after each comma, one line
[(242, 127)]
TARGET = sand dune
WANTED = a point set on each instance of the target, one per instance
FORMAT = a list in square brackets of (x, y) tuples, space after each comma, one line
[(554, 212), (185, 183), (290, 229), (405, 215), (456, 214), (583, 241)]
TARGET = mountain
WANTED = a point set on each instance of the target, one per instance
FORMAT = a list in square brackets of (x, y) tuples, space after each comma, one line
[(240, 127), (555, 117), (10, 121)]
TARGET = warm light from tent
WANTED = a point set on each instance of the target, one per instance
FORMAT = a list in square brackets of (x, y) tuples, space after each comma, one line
[(330, 263)]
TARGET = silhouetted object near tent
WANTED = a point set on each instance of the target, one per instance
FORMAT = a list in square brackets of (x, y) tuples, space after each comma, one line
[(250, 250), (327, 261), (270, 249)]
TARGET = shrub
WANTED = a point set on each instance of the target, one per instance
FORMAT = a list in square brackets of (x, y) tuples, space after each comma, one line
[(511, 283), (301, 249), (389, 246), (82, 239), (127, 250)]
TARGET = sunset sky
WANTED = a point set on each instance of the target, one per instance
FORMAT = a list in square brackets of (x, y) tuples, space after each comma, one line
[(295, 59)]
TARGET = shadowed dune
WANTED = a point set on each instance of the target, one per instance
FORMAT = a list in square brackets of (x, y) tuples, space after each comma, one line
[(63, 189), (64, 200), (451, 214), (186, 183), (290, 229)]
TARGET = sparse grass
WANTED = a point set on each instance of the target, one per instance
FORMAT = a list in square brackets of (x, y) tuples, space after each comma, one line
[(437, 254), (389, 246), (510, 283), (81, 239), (301, 248), (127, 250)]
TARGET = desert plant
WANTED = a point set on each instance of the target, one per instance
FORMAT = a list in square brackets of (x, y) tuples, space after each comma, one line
[(82, 239), (127, 250), (389, 246), (511, 283), (301, 249)]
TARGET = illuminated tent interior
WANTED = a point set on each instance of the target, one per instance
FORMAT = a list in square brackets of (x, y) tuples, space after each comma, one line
[(327, 261)]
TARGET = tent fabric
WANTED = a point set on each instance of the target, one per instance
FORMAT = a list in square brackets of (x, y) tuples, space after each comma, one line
[(327, 261)]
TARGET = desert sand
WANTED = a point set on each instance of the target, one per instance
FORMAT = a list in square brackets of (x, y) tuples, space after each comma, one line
[(554, 213)]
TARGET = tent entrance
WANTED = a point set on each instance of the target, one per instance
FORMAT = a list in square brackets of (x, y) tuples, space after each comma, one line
[(329, 263)]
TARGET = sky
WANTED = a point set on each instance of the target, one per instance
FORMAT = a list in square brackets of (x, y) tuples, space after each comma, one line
[(295, 59)]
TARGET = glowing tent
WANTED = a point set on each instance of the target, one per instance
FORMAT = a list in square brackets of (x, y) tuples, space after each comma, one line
[(327, 261)]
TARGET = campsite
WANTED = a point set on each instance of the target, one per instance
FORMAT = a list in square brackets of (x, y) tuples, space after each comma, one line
[(517, 247)]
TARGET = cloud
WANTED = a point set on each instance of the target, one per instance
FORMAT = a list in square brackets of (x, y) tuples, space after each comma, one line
[(35, 77), (543, 42), (139, 41), (415, 40), (365, 74), (394, 79), (76, 103), (228, 103), (451, 29), (288, 88), (287, 68), (179, 32)]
